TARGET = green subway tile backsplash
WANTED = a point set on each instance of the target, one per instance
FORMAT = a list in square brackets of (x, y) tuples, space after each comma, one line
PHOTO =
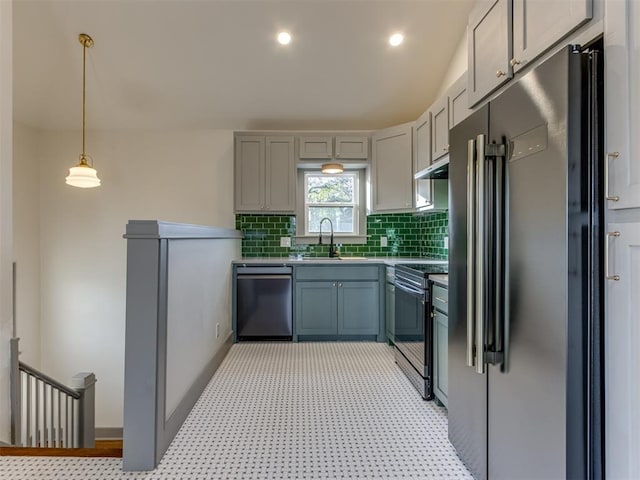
[(408, 235)]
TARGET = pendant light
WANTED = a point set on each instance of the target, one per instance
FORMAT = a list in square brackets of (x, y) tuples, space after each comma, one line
[(84, 175), (332, 168)]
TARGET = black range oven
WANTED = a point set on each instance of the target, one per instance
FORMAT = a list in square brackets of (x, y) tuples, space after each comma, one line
[(413, 332)]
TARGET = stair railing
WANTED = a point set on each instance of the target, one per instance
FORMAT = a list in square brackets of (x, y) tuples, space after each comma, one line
[(47, 413)]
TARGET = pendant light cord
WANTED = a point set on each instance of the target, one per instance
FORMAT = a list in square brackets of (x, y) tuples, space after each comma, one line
[(84, 75)]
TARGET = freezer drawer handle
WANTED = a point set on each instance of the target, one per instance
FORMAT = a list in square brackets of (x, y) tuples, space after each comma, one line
[(607, 156), (606, 257)]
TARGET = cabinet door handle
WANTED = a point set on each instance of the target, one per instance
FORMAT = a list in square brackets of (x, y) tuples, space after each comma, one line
[(446, 149), (500, 73), (514, 62), (607, 156), (606, 258), (333, 284), (441, 299), (339, 284)]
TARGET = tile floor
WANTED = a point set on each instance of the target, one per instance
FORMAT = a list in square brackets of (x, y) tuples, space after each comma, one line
[(292, 411)]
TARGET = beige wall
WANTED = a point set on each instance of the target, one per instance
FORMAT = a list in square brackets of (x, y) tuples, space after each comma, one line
[(6, 212), (26, 234), (457, 65), (173, 176)]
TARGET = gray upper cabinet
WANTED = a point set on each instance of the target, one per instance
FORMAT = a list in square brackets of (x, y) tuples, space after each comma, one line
[(265, 174), (249, 173), (422, 142), (439, 128), (392, 172), (458, 101), (622, 77), (280, 174), (322, 147), (356, 148), (489, 47), (422, 159), (538, 25), (316, 147)]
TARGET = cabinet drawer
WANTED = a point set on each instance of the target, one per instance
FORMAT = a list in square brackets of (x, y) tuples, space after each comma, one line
[(337, 272), (440, 299)]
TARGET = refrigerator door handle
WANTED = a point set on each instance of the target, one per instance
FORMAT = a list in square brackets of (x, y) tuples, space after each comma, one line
[(480, 234), (470, 250), (499, 336)]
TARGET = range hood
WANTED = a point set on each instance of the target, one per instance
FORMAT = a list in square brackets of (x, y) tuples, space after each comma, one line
[(439, 169)]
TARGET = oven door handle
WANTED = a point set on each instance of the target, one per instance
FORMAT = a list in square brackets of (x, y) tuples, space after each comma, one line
[(409, 288)]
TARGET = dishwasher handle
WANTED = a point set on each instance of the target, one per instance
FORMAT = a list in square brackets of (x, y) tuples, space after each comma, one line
[(264, 270)]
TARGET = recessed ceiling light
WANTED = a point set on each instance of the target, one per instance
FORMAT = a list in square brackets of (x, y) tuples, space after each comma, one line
[(284, 38), (395, 39)]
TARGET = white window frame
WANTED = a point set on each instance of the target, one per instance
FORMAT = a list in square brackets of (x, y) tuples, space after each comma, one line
[(305, 238), (355, 204)]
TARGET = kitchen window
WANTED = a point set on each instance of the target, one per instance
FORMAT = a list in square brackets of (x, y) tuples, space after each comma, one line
[(334, 197), (339, 197)]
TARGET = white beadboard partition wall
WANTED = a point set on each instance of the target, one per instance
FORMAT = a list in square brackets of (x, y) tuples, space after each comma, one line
[(178, 328)]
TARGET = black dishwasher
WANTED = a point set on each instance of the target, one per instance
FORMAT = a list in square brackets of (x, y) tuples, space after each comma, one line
[(264, 303)]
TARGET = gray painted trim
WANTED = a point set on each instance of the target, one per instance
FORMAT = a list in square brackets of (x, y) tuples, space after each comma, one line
[(141, 348), (156, 229), (147, 433), (108, 433), (161, 373)]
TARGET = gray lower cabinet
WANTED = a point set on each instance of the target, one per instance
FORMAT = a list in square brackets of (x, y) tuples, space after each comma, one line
[(316, 308), (358, 308), (440, 356), (337, 308), (390, 309), (440, 311), (346, 306)]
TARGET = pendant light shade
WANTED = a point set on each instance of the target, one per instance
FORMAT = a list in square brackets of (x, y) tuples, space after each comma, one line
[(83, 175), (332, 168)]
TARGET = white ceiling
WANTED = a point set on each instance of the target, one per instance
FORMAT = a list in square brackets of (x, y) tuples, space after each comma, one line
[(185, 64)]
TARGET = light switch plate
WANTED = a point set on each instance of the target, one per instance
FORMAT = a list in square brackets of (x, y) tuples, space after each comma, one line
[(285, 241), (383, 242), (446, 242)]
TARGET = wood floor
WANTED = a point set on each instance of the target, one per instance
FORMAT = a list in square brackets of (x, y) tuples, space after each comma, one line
[(103, 448)]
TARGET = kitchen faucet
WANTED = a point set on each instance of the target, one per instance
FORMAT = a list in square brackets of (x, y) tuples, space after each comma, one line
[(332, 248)]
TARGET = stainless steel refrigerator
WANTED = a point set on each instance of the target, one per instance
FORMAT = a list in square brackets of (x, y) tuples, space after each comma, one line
[(525, 381)]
